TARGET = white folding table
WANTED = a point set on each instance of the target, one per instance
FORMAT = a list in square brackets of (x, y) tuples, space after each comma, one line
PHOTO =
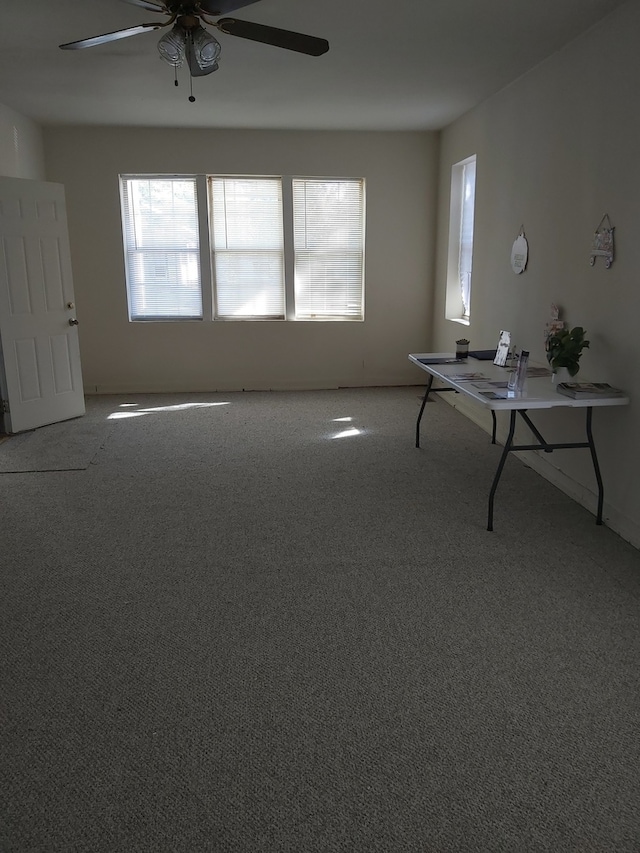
[(538, 393)]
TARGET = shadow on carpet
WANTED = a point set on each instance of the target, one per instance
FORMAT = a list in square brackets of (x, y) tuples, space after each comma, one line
[(67, 446)]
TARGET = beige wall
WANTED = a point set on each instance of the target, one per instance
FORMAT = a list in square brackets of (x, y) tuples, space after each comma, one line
[(555, 151), (21, 149), (401, 177)]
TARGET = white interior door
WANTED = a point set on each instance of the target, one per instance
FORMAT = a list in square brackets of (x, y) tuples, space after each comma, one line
[(41, 380)]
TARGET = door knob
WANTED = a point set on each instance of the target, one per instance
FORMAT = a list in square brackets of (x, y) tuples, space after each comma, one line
[(73, 321)]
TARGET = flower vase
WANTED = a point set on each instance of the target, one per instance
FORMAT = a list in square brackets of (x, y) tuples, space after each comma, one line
[(560, 374)]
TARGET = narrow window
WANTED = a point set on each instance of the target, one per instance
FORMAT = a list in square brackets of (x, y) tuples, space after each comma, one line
[(466, 234), (460, 265), (161, 245), (328, 226), (247, 248)]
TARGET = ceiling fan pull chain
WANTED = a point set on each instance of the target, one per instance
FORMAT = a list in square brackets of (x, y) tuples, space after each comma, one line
[(189, 51), (175, 75)]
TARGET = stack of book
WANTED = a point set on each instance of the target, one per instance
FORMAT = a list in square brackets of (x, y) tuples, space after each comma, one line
[(578, 390)]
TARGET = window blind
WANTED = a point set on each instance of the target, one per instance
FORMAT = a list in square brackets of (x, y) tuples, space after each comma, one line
[(160, 223), (328, 224), (248, 247)]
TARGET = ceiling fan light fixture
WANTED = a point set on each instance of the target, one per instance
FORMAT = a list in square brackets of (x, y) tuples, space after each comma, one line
[(172, 46), (206, 48)]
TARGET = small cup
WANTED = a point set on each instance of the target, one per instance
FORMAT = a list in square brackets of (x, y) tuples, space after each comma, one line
[(462, 350)]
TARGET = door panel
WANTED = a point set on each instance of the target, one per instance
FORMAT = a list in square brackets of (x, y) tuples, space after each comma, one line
[(41, 379), (61, 360)]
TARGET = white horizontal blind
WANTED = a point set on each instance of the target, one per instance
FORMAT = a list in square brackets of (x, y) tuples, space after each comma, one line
[(466, 234), (328, 224), (162, 247), (248, 247)]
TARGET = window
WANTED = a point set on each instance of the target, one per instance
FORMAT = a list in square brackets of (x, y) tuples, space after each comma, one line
[(246, 248), (460, 265), (328, 231), (465, 262), (162, 249)]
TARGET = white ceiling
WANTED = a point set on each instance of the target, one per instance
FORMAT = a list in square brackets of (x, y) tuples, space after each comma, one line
[(399, 65)]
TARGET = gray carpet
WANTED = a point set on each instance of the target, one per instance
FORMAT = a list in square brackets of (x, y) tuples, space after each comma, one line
[(67, 446), (255, 626)]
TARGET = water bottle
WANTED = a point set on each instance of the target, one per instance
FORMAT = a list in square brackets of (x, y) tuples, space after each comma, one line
[(521, 370)]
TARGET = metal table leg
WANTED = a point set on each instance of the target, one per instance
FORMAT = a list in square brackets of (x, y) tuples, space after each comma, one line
[(547, 447), (503, 458), (596, 466), (424, 403)]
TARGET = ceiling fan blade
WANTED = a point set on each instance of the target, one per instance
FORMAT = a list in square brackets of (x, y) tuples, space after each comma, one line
[(107, 37), (149, 5), (222, 7), (271, 35)]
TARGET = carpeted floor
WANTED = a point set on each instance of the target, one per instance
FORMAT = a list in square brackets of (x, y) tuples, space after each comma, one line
[(57, 447), (265, 622)]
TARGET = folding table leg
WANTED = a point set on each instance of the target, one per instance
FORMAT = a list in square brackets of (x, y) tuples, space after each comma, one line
[(596, 466), (496, 479), (424, 402)]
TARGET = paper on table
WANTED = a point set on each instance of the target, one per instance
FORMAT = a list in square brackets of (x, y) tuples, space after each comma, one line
[(440, 360), (490, 385), (501, 394), (466, 377)]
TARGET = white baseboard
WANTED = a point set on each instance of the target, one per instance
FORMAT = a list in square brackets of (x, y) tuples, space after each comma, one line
[(180, 388)]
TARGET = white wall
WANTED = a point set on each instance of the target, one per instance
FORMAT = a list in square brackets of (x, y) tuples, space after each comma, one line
[(555, 151), (21, 146), (118, 356)]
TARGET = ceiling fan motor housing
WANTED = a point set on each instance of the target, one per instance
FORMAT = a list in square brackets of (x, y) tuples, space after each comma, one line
[(189, 22)]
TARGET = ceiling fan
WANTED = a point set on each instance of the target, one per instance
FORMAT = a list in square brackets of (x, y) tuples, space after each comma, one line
[(189, 41)]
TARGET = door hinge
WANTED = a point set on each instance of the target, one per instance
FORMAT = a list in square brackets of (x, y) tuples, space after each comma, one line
[(4, 406)]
